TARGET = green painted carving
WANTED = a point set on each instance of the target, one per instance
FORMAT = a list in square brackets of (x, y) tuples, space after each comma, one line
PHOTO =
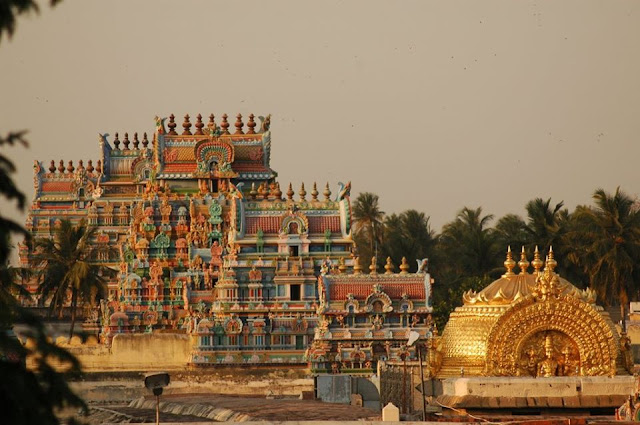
[(215, 211), (327, 240), (161, 243), (260, 241)]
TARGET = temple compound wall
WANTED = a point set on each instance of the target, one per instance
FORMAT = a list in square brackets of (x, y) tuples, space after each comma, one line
[(202, 241)]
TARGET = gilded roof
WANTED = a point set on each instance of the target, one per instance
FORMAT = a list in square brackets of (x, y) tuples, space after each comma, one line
[(509, 289)]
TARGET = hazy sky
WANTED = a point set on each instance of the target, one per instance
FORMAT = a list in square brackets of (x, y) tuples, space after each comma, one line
[(431, 105)]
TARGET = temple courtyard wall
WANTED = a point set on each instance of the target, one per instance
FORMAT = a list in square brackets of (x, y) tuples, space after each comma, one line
[(136, 352)]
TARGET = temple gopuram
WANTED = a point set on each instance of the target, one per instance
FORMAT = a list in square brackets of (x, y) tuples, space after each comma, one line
[(202, 238), (366, 318)]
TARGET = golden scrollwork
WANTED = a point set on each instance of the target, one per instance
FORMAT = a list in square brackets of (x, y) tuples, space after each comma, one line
[(579, 335)]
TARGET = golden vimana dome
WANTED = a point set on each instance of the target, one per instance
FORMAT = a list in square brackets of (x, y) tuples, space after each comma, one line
[(531, 324), (511, 286)]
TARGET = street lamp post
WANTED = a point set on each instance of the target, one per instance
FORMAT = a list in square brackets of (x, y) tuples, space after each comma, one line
[(414, 338)]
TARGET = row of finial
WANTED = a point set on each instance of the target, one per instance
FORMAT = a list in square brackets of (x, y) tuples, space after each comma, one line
[(211, 125), (126, 142), (523, 264), (70, 168), (373, 267), (272, 192)]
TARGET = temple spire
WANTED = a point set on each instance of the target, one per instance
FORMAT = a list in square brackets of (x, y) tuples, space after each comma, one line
[(239, 124), (251, 124), (537, 262), (357, 268), (225, 124), (199, 125), (187, 126), (523, 263), (509, 264), (551, 262), (404, 266), (388, 267), (290, 192), (136, 142), (172, 125), (302, 193), (327, 192)]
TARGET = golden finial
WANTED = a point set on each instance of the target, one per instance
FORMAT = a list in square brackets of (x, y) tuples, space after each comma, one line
[(70, 167), (327, 192), (52, 167), (290, 192), (302, 192), (551, 262), (342, 267), (136, 142), (116, 142), (523, 263), (537, 262), (314, 192), (126, 141), (509, 264), (99, 166), (61, 166), (89, 166), (253, 192), (404, 266), (357, 268), (373, 268), (388, 267), (187, 126)]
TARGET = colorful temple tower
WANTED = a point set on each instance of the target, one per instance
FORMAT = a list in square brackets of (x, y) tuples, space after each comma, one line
[(368, 318), (202, 238)]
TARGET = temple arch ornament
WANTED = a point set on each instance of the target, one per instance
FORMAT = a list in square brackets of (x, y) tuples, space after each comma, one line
[(294, 223), (213, 151), (572, 327), (378, 301)]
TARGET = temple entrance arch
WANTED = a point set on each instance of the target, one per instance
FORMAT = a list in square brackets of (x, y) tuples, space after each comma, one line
[(566, 325)]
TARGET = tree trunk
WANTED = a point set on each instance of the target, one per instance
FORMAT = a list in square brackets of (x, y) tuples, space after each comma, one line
[(74, 300)]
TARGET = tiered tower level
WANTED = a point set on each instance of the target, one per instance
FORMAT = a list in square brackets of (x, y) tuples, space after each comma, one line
[(202, 237)]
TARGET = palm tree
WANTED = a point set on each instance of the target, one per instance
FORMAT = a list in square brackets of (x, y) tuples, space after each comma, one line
[(368, 219), (469, 243), (611, 234), (66, 268), (511, 230), (409, 235), (546, 225)]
